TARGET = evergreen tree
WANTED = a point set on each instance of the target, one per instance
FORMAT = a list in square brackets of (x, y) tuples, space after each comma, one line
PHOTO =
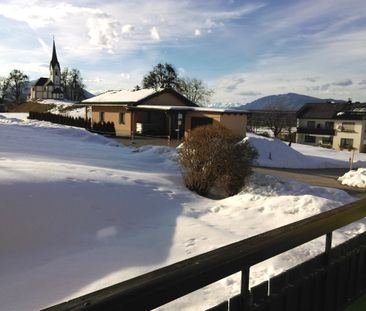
[(17, 82), (164, 76)]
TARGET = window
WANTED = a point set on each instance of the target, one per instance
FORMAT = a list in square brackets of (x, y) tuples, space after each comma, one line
[(310, 139), (346, 143), (101, 116), (200, 121), (348, 126), (329, 125), (121, 118), (311, 124), (327, 141)]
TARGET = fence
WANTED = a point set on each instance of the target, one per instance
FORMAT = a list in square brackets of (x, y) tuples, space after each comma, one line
[(327, 282), (106, 128)]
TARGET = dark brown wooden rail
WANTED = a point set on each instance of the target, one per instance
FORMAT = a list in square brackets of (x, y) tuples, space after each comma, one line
[(161, 286)]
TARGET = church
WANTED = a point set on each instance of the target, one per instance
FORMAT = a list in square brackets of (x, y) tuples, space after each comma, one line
[(49, 88)]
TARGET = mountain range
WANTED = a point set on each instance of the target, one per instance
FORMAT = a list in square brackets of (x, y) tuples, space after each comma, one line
[(289, 101)]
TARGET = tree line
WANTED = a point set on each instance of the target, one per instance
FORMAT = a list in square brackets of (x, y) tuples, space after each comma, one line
[(162, 76), (165, 76), (12, 87)]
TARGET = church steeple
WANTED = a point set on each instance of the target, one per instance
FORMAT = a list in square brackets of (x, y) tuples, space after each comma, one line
[(55, 69), (54, 60)]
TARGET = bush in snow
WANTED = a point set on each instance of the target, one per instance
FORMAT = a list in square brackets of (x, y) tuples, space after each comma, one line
[(215, 159)]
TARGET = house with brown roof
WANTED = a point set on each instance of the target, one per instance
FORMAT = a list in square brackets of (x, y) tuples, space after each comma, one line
[(162, 113), (333, 125)]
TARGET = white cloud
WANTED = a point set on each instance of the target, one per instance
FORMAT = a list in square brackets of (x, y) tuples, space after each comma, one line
[(96, 80), (155, 34), (38, 15), (127, 28), (104, 31), (109, 23), (44, 46), (125, 76)]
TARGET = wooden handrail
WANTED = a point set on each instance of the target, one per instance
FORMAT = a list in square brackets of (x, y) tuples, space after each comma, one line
[(161, 286)]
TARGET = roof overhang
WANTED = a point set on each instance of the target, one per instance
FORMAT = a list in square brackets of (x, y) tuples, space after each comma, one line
[(186, 108)]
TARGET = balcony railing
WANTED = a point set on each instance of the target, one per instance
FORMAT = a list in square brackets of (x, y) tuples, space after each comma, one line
[(319, 131), (335, 284)]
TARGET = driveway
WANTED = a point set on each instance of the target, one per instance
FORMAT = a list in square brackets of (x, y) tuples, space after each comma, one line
[(139, 141), (315, 177)]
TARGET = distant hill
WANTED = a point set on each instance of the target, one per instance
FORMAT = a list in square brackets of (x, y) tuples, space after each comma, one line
[(290, 101), (87, 94)]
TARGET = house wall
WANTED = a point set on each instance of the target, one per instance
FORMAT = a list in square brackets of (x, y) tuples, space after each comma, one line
[(234, 122), (199, 114), (111, 114), (319, 140), (358, 135), (319, 124), (37, 92), (165, 99)]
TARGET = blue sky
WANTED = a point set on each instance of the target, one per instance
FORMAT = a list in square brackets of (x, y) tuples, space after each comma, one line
[(243, 50)]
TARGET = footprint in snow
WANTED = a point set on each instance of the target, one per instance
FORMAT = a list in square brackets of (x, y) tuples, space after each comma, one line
[(189, 244)]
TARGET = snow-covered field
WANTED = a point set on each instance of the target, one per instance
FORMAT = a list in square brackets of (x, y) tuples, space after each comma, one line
[(276, 153), (62, 104), (79, 212)]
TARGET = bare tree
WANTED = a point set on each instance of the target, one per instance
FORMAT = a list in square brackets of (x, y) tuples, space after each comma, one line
[(277, 119), (195, 90), (73, 84), (4, 89)]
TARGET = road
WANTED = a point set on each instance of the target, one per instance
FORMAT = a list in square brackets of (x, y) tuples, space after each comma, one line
[(316, 177)]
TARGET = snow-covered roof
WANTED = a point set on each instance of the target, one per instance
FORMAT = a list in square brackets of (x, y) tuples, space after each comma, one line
[(188, 108), (120, 96)]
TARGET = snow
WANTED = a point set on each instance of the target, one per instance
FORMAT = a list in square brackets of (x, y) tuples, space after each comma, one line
[(80, 212), (120, 96), (277, 153), (354, 178), (57, 102), (61, 104)]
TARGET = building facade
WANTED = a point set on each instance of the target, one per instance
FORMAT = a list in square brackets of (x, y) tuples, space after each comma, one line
[(164, 113), (337, 126), (49, 88)]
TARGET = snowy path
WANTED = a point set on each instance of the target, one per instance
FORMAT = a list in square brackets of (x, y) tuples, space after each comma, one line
[(315, 177)]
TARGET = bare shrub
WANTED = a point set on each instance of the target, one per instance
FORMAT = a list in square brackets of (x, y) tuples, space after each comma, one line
[(214, 158)]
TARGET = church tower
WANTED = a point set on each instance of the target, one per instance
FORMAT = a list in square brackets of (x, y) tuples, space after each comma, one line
[(55, 70), (49, 88)]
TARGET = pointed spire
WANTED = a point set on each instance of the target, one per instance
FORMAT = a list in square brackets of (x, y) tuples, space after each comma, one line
[(54, 60)]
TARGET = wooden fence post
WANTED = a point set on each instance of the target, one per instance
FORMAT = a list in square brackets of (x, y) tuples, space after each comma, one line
[(245, 288)]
